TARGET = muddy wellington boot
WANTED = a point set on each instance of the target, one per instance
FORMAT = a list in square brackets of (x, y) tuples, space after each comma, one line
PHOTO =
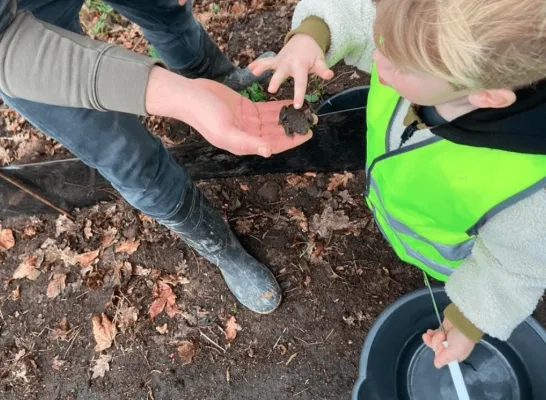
[(199, 224), (212, 64)]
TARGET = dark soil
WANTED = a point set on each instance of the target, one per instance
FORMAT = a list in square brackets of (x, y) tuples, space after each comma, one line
[(312, 230)]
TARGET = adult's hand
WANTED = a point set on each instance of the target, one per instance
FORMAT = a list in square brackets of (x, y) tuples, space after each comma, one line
[(222, 116)]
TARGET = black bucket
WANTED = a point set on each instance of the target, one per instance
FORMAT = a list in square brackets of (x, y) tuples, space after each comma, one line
[(396, 365)]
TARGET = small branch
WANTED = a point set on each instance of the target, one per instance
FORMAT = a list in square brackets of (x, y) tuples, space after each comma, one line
[(36, 196), (213, 342)]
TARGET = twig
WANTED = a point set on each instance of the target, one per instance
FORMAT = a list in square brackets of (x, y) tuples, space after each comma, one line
[(213, 342), (332, 331), (304, 390), (36, 196), (72, 341)]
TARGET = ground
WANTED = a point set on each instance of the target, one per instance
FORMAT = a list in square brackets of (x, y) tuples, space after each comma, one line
[(77, 298)]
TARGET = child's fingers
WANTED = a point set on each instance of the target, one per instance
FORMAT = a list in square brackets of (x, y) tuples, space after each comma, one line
[(258, 67), (276, 80), (437, 341), (427, 338), (300, 86), (322, 70), (444, 356)]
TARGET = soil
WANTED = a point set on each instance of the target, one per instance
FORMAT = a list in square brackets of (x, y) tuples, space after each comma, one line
[(296, 121), (313, 231)]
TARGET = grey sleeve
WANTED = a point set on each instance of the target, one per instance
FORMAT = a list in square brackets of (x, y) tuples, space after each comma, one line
[(500, 284), (47, 64)]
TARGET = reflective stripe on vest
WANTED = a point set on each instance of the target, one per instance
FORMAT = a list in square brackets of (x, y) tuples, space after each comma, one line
[(430, 199)]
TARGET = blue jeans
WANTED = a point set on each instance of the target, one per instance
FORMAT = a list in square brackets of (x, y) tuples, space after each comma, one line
[(118, 145)]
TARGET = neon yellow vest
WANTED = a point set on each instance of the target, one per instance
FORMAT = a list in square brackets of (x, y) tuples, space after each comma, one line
[(430, 199)]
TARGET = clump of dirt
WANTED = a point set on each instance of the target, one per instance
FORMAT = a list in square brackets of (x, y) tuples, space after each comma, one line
[(296, 121)]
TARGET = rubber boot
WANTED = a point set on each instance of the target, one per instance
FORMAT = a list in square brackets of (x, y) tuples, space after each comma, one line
[(212, 64), (198, 223)]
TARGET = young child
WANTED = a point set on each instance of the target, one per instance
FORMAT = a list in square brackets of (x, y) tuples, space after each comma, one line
[(456, 144)]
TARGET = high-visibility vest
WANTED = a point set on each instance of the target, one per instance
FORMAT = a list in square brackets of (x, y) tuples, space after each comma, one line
[(430, 199)]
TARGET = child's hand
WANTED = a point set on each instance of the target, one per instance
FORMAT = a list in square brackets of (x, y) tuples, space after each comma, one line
[(459, 346), (301, 56)]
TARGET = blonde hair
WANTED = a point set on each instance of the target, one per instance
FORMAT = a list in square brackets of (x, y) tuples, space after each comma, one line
[(472, 44)]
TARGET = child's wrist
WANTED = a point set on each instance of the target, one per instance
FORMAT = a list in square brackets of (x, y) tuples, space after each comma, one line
[(463, 324), (314, 27)]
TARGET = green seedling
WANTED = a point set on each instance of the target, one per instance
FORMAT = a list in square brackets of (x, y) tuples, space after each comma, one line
[(255, 93)]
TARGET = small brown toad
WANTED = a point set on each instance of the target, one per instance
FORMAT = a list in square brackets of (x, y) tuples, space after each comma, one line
[(296, 121)]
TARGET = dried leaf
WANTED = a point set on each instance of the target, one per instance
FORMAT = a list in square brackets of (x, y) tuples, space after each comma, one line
[(139, 270), (103, 331), (56, 285), (232, 327), (300, 217), (175, 280), (28, 232), (128, 247), (244, 226), (329, 221), (122, 270), (85, 259), (87, 232), (297, 181), (60, 332), (57, 364), (16, 293), (339, 180), (64, 225), (244, 187), (127, 317), (165, 299), (102, 365), (108, 237), (7, 241), (346, 197), (187, 351), (27, 269), (163, 329)]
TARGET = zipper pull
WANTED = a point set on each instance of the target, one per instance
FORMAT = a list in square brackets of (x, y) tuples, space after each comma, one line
[(408, 132)]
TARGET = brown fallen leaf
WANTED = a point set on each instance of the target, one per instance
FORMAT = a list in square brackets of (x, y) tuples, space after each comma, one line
[(60, 332), (56, 285), (27, 269), (57, 364), (87, 232), (108, 237), (28, 232), (165, 299), (139, 270), (122, 270), (232, 327), (85, 259), (102, 365), (128, 247), (297, 181), (103, 331), (64, 225), (163, 329), (175, 279), (339, 180), (16, 293), (298, 215), (187, 351), (328, 222), (7, 241), (244, 187), (127, 317)]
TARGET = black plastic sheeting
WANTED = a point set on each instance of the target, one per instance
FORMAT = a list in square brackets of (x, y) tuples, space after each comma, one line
[(338, 144)]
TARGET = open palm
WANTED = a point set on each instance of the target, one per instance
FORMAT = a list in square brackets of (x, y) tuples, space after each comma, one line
[(232, 122)]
